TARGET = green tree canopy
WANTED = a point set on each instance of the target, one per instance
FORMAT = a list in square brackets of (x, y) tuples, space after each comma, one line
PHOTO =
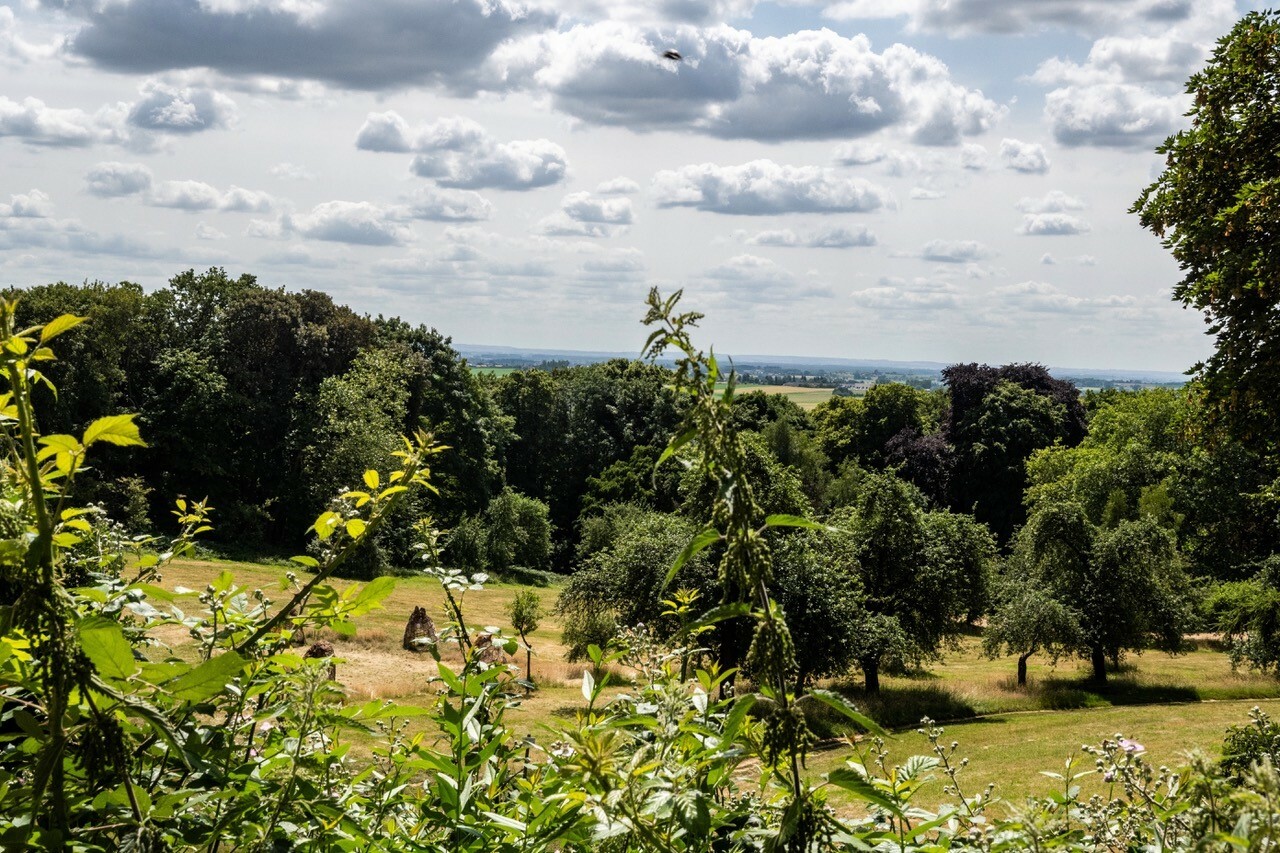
[(1216, 208)]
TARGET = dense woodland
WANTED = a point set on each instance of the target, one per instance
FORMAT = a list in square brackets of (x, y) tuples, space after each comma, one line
[(728, 552)]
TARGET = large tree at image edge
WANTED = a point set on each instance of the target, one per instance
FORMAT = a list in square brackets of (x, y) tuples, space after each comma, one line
[(1215, 207)]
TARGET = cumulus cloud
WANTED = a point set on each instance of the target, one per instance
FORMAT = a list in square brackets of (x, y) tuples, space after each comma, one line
[(1055, 201), (355, 222), (32, 205), (823, 238), (35, 123), (926, 194), (813, 84), (188, 110), (355, 44), (963, 17), (1052, 225), (291, 172), (618, 186), (974, 157), (458, 152), (954, 251), (899, 296), (1112, 115), (762, 187), (1023, 156), (751, 278), (205, 231), (439, 205), (195, 196), (1119, 59), (1039, 297), (112, 179), (588, 215)]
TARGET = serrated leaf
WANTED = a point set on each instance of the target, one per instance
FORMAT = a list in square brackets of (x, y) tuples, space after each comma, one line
[(356, 528), (371, 479), (114, 429), (862, 788)]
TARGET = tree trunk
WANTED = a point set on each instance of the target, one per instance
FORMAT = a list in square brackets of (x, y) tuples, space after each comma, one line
[(528, 663), (1099, 659), (871, 669), (1022, 669)]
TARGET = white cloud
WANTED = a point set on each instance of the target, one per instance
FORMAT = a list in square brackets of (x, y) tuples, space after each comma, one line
[(458, 152), (753, 279), (441, 205), (32, 205), (926, 194), (1023, 156), (763, 187), (1052, 225), (185, 195), (584, 207), (954, 251), (965, 17), (112, 179), (354, 222), (37, 124), (1055, 201), (618, 186), (898, 296), (187, 110), (1115, 115), (822, 238), (205, 231), (812, 84), (1037, 297), (197, 196), (974, 157), (291, 172)]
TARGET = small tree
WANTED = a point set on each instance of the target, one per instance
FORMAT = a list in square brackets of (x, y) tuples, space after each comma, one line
[(525, 610), (1028, 620)]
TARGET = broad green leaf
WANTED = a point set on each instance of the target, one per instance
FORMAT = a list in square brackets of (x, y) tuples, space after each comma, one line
[(356, 528), (373, 594), (371, 479), (207, 679), (114, 429), (588, 685), (104, 644), (58, 325), (783, 520), (844, 706), (696, 545), (304, 560), (722, 612), (862, 788)]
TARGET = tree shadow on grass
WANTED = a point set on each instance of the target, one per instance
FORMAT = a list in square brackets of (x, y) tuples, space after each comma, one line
[(1059, 694), (893, 707)]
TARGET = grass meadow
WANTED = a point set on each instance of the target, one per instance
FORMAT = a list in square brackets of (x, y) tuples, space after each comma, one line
[(1171, 704)]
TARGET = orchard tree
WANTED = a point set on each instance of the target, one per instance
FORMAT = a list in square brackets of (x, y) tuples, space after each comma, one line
[(1126, 583), (816, 583), (914, 574), (1026, 620), (1216, 208), (525, 610)]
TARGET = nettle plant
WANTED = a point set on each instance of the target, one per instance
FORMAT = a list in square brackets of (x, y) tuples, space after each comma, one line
[(110, 740)]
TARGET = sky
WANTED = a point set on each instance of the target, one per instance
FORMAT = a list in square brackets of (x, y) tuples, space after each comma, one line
[(944, 180)]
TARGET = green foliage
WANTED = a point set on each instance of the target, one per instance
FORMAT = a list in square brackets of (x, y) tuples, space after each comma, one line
[(1251, 745), (1214, 207), (918, 573), (622, 579), (1248, 615), (517, 532), (1094, 591)]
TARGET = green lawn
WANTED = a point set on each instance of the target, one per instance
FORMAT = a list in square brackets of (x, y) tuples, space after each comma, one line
[(1171, 704)]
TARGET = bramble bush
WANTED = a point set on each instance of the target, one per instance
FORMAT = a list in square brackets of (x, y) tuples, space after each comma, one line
[(110, 741)]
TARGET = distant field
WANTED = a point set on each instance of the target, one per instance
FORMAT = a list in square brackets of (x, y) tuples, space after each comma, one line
[(805, 398), (495, 371)]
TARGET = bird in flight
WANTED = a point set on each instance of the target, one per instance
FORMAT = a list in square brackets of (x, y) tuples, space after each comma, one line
[(673, 55)]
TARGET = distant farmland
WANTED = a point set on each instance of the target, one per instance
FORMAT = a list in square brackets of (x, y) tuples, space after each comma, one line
[(806, 398)]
